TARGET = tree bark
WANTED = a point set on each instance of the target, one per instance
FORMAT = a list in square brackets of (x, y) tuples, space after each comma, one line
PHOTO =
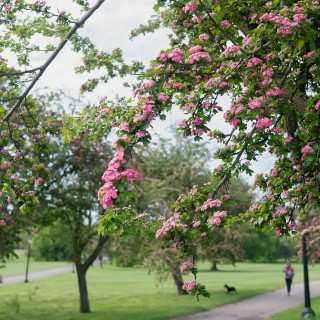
[(177, 277), (83, 290), (214, 266)]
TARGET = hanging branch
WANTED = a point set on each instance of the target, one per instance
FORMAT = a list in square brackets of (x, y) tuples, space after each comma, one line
[(43, 68)]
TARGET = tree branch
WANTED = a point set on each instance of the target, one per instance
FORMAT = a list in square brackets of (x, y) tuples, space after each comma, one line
[(19, 73), (43, 68)]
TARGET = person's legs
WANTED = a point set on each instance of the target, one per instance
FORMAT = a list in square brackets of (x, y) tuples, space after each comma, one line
[(288, 281)]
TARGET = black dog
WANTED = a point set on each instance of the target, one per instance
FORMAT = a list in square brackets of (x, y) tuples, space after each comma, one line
[(230, 289)]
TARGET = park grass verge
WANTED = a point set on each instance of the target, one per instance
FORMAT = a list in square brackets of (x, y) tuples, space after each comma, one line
[(131, 293), (295, 313)]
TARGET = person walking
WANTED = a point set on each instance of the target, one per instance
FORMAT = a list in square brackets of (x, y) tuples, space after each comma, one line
[(289, 274)]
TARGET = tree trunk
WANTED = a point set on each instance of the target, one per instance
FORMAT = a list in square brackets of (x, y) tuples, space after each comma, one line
[(177, 277), (83, 290), (214, 266)]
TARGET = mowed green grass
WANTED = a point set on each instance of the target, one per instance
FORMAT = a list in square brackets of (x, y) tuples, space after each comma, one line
[(18, 266), (295, 313), (131, 293)]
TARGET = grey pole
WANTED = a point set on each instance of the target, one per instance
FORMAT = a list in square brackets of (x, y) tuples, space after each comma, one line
[(28, 257)]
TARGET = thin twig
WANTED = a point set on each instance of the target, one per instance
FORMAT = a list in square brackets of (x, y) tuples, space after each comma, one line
[(19, 73)]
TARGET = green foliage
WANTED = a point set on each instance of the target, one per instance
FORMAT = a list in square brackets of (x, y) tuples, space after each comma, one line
[(52, 243), (265, 246)]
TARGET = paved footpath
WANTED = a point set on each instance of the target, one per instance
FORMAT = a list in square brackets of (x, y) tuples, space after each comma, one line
[(41, 274), (260, 307), (37, 275)]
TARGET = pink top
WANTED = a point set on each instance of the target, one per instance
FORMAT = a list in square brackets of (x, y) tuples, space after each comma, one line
[(289, 272)]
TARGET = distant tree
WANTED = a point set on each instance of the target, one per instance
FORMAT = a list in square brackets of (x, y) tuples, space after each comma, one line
[(260, 246), (67, 196), (71, 199), (52, 243), (227, 244), (127, 252)]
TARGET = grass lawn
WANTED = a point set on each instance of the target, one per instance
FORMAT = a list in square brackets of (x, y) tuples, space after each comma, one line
[(131, 293), (295, 313), (18, 266)]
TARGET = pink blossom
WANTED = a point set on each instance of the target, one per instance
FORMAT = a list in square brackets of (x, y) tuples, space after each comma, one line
[(163, 97), (317, 105), (254, 207), (124, 126), (253, 62), (177, 85), (307, 149), (130, 174), (274, 172), (141, 215), (197, 121), (235, 122), (167, 225), (285, 194), (140, 134), (310, 54), (214, 221), (190, 6), (203, 234), (274, 92), (186, 265), (183, 123), (288, 140), (107, 194), (232, 49), (199, 56), (148, 84), (226, 197), (189, 285), (299, 16), (256, 103), (210, 203), (223, 84), (209, 83), (203, 36), (163, 56), (225, 23), (38, 180), (220, 214), (195, 49), (263, 123), (176, 55), (284, 31), (196, 224)]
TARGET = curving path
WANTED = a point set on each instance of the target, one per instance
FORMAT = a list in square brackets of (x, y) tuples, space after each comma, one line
[(36, 275), (260, 307)]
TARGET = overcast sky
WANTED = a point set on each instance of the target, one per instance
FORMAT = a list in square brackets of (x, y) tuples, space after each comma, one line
[(109, 28)]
